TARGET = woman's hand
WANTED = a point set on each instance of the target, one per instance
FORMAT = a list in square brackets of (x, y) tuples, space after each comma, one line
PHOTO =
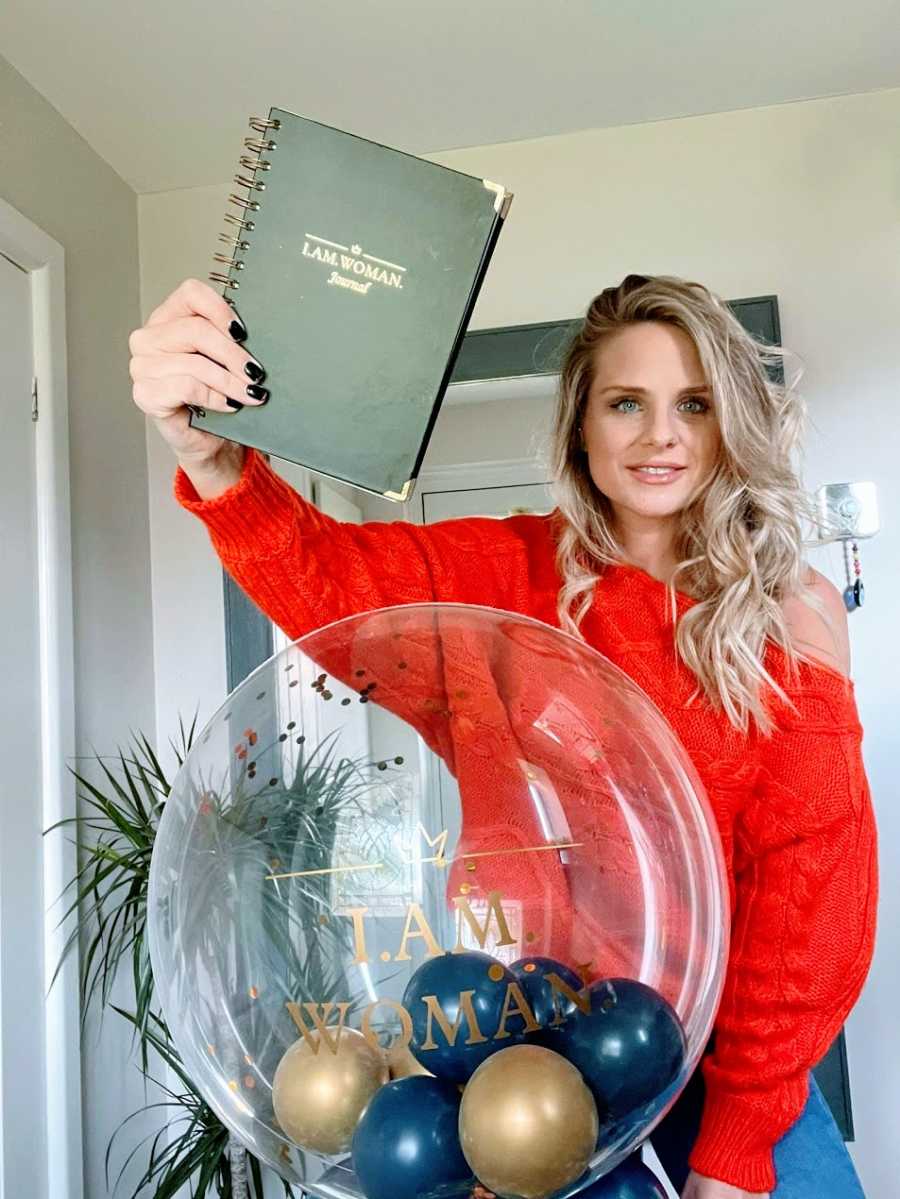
[(698, 1186), (188, 352)]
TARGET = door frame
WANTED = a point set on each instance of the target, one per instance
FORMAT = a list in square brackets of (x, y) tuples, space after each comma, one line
[(30, 248)]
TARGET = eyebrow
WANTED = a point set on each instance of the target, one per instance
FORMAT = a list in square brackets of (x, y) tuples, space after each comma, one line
[(643, 390)]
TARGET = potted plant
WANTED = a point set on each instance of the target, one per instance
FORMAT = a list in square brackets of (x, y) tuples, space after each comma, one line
[(115, 837)]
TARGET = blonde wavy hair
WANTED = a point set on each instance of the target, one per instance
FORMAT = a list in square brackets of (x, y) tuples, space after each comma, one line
[(739, 543)]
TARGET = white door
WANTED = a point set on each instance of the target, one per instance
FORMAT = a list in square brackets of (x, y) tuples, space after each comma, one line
[(22, 1066)]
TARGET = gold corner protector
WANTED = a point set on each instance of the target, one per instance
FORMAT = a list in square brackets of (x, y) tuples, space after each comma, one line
[(502, 198), (401, 496)]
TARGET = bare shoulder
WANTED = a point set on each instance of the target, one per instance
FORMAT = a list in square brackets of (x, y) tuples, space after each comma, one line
[(828, 639)]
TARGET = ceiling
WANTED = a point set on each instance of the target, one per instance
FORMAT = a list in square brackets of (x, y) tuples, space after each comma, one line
[(162, 90)]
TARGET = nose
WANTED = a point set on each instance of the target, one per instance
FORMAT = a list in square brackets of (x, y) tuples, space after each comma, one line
[(660, 427)]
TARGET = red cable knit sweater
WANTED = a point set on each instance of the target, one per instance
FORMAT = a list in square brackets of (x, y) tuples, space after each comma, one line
[(794, 810)]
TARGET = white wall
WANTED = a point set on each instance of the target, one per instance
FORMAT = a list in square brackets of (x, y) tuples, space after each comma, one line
[(52, 176), (799, 200)]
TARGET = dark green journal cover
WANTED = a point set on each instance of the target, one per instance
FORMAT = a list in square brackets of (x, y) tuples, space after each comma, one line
[(356, 280)]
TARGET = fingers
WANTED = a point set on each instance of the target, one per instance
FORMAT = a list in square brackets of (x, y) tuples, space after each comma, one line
[(194, 298), (208, 375), (192, 334), (160, 398), (188, 356), (163, 398)]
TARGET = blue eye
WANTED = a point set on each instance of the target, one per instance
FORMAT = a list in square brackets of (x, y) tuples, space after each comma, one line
[(703, 405)]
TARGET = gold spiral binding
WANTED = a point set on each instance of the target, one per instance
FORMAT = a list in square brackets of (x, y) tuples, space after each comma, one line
[(255, 164), (234, 241), (249, 165), (261, 124), (250, 184), (236, 220), (247, 205), (235, 262)]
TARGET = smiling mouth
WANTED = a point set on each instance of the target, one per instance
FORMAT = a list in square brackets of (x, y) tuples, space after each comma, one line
[(656, 473)]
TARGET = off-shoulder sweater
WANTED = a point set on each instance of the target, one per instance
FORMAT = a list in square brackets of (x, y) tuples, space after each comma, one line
[(793, 809)]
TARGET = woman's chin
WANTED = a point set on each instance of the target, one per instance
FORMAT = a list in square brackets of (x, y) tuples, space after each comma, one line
[(658, 506)]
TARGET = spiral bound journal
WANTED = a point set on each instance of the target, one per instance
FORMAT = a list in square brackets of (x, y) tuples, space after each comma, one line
[(355, 268)]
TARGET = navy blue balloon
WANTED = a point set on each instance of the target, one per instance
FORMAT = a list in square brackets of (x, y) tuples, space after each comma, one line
[(630, 1046), (447, 977), (546, 1003), (407, 1143), (623, 1128), (631, 1180)]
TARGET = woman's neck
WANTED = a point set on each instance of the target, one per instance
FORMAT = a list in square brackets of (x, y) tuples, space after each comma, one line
[(649, 545), (657, 561)]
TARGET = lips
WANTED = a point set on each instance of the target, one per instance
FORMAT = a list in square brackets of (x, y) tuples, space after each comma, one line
[(660, 469)]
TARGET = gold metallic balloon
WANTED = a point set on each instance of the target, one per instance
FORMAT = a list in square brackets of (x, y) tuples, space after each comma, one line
[(527, 1122), (402, 1063), (319, 1092)]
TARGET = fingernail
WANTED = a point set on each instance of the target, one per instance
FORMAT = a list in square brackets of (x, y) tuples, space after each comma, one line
[(235, 404), (257, 393), (237, 331), (255, 371)]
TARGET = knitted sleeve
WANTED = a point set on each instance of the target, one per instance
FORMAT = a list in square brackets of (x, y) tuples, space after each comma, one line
[(304, 569), (803, 932)]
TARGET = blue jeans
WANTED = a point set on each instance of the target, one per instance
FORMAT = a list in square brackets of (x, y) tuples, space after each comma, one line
[(811, 1160)]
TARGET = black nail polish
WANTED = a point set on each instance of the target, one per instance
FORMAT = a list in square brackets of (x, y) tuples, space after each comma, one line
[(235, 404), (237, 331), (256, 372), (257, 393)]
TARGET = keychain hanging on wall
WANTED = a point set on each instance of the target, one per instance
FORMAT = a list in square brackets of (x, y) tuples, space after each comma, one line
[(848, 512), (854, 592)]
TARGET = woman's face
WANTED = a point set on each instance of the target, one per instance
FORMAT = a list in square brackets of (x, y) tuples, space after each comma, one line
[(649, 403)]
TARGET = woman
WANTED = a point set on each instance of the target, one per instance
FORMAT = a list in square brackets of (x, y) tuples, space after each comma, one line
[(673, 455)]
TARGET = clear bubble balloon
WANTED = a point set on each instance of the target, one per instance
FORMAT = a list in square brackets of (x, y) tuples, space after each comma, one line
[(449, 807)]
